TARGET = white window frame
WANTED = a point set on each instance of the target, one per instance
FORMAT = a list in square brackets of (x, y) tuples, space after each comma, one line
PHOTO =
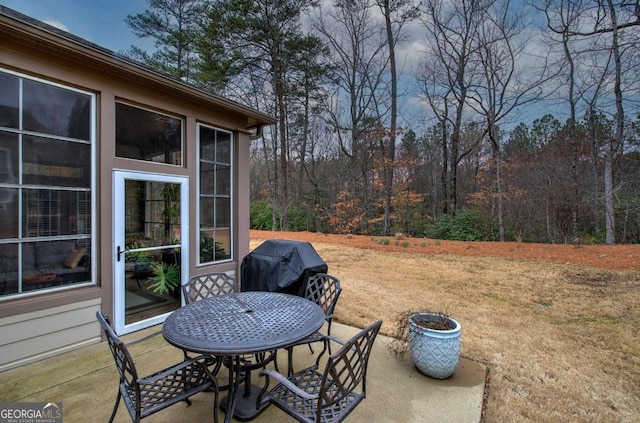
[(93, 185), (232, 200)]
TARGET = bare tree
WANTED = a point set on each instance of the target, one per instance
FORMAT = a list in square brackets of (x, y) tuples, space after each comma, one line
[(396, 14), (450, 69), (608, 20), (504, 86), (567, 18), (357, 61)]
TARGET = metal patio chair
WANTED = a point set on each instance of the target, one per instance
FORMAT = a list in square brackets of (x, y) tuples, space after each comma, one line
[(147, 395), (323, 290), (329, 395), (204, 286)]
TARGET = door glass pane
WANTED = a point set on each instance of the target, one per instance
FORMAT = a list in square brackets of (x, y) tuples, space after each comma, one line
[(152, 249)]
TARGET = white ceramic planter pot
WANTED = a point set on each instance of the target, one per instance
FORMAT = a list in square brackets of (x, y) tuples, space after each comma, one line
[(434, 352)]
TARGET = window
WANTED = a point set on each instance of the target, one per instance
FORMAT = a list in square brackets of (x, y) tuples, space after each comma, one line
[(46, 137), (145, 135), (215, 191)]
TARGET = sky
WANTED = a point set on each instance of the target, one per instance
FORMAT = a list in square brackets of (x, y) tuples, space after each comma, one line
[(103, 22), (98, 21)]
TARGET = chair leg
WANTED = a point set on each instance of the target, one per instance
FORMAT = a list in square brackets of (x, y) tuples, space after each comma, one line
[(329, 334), (215, 402), (115, 407)]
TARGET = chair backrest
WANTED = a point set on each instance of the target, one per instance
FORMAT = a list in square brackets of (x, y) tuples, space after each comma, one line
[(346, 371), (124, 361), (209, 285), (323, 290)]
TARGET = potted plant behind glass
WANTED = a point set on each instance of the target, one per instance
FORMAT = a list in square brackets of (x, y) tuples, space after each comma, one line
[(165, 279), (432, 338)]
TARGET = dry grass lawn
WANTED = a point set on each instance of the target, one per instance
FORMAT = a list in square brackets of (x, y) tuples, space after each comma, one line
[(560, 340)]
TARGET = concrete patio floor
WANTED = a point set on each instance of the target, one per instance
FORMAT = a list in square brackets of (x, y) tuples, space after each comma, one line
[(85, 381)]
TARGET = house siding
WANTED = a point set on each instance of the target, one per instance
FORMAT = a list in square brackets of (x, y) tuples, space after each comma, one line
[(33, 336), (34, 327)]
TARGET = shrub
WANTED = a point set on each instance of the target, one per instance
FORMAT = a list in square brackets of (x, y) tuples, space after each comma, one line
[(260, 215), (467, 225)]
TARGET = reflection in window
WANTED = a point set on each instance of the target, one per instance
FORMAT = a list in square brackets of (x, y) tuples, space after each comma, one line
[(146, 135), (55, 111), (9, 100), (153, 213), (45, 185), (8, 182), (56, 163), (215, 194)]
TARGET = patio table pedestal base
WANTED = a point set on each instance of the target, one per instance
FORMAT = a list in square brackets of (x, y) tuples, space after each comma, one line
[(245, 405)]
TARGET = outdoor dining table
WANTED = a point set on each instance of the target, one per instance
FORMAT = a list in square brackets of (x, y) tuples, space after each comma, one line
[(238, 324)]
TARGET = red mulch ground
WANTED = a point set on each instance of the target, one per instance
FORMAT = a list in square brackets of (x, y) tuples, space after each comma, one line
[(623, 257)]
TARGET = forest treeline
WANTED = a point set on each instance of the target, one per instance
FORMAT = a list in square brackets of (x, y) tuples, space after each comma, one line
[(401, 116)]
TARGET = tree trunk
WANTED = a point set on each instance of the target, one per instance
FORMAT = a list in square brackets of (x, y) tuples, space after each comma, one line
[(303, 147), (499, 193), (612, 145), (444, 176), (391, 149), (284, 177)]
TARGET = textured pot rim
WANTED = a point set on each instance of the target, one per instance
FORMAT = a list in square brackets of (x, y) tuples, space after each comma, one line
[(415, 326)]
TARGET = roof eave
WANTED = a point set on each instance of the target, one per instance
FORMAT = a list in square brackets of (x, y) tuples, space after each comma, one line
[(24, 28)]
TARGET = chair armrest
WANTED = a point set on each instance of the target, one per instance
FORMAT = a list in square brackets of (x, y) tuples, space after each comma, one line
[(287, 383), (328, 338)]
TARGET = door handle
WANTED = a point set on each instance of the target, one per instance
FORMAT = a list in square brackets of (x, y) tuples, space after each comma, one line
[(119, 252)]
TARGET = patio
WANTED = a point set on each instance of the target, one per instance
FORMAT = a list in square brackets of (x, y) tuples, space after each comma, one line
[(85, 380)]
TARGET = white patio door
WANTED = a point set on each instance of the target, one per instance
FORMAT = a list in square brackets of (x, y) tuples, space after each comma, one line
[(151, 231)]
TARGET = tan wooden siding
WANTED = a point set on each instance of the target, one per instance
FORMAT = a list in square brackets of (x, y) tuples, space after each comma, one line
[(40, 334)]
